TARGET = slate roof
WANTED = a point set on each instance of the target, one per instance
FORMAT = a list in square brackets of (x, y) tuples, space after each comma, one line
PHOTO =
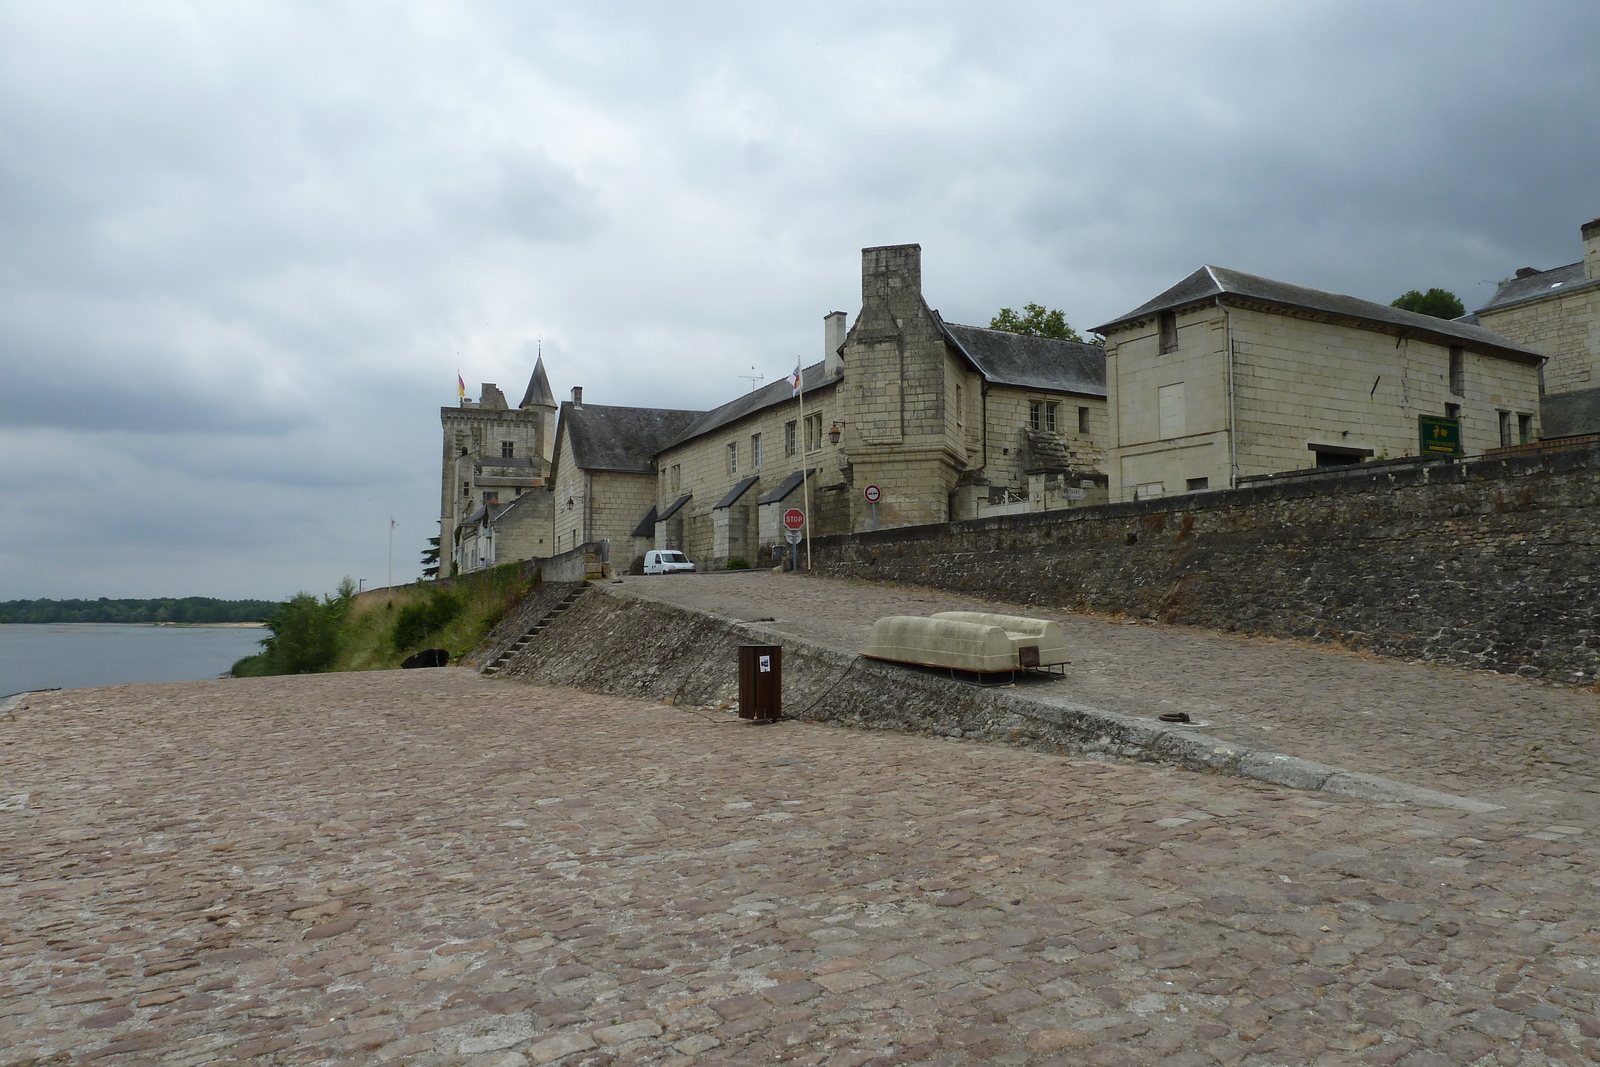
[(736, 492), (647, 525), (769, 395), (787, 486), (672, 508), (604, 438), (538, 388), (1209, 282), (1533, 286), (1032, 362)]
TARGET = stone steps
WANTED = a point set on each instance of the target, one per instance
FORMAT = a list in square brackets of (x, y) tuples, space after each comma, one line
[(526, 639)]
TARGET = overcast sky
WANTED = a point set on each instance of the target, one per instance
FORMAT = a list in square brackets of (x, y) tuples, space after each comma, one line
[(246, 247)]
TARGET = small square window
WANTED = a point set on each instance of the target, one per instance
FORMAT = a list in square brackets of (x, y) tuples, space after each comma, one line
[(1169, 331), (1452, 411), (508, 449), (1195, 485)]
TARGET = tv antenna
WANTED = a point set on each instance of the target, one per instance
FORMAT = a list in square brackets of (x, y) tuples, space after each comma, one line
[(754, 379)]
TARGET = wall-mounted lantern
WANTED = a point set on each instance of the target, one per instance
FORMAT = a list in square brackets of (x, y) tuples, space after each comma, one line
[(833, 434)]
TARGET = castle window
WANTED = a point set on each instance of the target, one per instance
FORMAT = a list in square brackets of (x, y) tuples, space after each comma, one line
[(1083, 420), (1458, 371), (1505, 428), (813, 432), (791, 443), (491, 498), (508, 449), (755, 450), (1524, 429), (960, 415), (733, 457), (466, 488), (1050, 416), (1169, 331), (1452, 411), (677, 476)]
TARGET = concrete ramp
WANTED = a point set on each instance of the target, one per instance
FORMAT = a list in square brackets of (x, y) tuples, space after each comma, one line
[(621, 643)]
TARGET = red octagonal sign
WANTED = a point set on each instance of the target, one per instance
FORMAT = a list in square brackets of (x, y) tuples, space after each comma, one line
[(794, 518)]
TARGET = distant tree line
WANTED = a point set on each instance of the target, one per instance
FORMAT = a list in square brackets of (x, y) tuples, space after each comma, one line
[(189, 609)]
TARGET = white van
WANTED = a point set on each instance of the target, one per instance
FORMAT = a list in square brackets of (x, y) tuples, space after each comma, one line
[(669, 561)]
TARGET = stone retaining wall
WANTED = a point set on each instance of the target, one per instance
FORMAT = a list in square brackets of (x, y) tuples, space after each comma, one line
[(1491, 563), (612, 641)]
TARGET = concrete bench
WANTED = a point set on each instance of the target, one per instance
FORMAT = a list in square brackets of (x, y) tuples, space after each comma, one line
[(967, 641)]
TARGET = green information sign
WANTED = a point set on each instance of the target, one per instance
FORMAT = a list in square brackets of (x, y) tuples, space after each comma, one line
[(1439, 435)]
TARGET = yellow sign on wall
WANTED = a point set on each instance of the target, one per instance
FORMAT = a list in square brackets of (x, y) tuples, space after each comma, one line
[(1439, 435)]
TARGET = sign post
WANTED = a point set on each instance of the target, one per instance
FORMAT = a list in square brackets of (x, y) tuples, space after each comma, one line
[(872, 494), (794, 520)]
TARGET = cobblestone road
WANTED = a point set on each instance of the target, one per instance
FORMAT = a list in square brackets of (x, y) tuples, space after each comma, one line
[(427, 867), (1467, 732)]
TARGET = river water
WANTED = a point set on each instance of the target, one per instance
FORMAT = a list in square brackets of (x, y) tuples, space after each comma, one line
[(75, 655)]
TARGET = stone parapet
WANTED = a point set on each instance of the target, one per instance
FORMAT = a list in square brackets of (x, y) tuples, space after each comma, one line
[(1484, 563)]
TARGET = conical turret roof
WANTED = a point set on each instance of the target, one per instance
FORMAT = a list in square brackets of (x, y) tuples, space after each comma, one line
[(538, 394)]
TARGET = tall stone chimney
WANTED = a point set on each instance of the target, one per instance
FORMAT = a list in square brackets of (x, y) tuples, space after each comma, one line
[(834, 328), (890, 273), (577, 396), (1591, 250)]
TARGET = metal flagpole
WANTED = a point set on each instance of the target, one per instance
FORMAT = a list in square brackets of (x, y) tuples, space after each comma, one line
[(805, 480)]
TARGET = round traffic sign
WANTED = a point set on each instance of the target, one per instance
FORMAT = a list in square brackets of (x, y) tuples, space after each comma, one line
[(792, 536), (872, 494), (794, 519)]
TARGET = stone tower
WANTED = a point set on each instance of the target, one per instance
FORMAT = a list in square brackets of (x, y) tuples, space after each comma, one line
[(897, 374), (493, 452)]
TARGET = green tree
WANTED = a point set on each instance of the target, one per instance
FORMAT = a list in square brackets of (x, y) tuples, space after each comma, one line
[(430, 559), (304, 635), (1036, 320), (1440, 303)]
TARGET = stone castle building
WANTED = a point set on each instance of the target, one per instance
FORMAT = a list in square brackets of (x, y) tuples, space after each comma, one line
[(910, 420), (1556, 313), (494, 457), (946, 421), (1228, 375)]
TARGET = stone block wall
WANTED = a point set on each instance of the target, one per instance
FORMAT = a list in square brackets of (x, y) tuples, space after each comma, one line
[(1563, 326), (700, 466), (1491, 563)]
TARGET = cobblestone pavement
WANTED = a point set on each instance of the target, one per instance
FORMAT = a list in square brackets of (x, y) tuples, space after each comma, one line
[(429, 867), (1467, 732)]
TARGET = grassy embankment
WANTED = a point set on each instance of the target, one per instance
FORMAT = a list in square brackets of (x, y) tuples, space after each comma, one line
[(375, 631)]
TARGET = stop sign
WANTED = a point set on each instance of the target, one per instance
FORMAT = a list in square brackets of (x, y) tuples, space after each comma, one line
[(794, 518)]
